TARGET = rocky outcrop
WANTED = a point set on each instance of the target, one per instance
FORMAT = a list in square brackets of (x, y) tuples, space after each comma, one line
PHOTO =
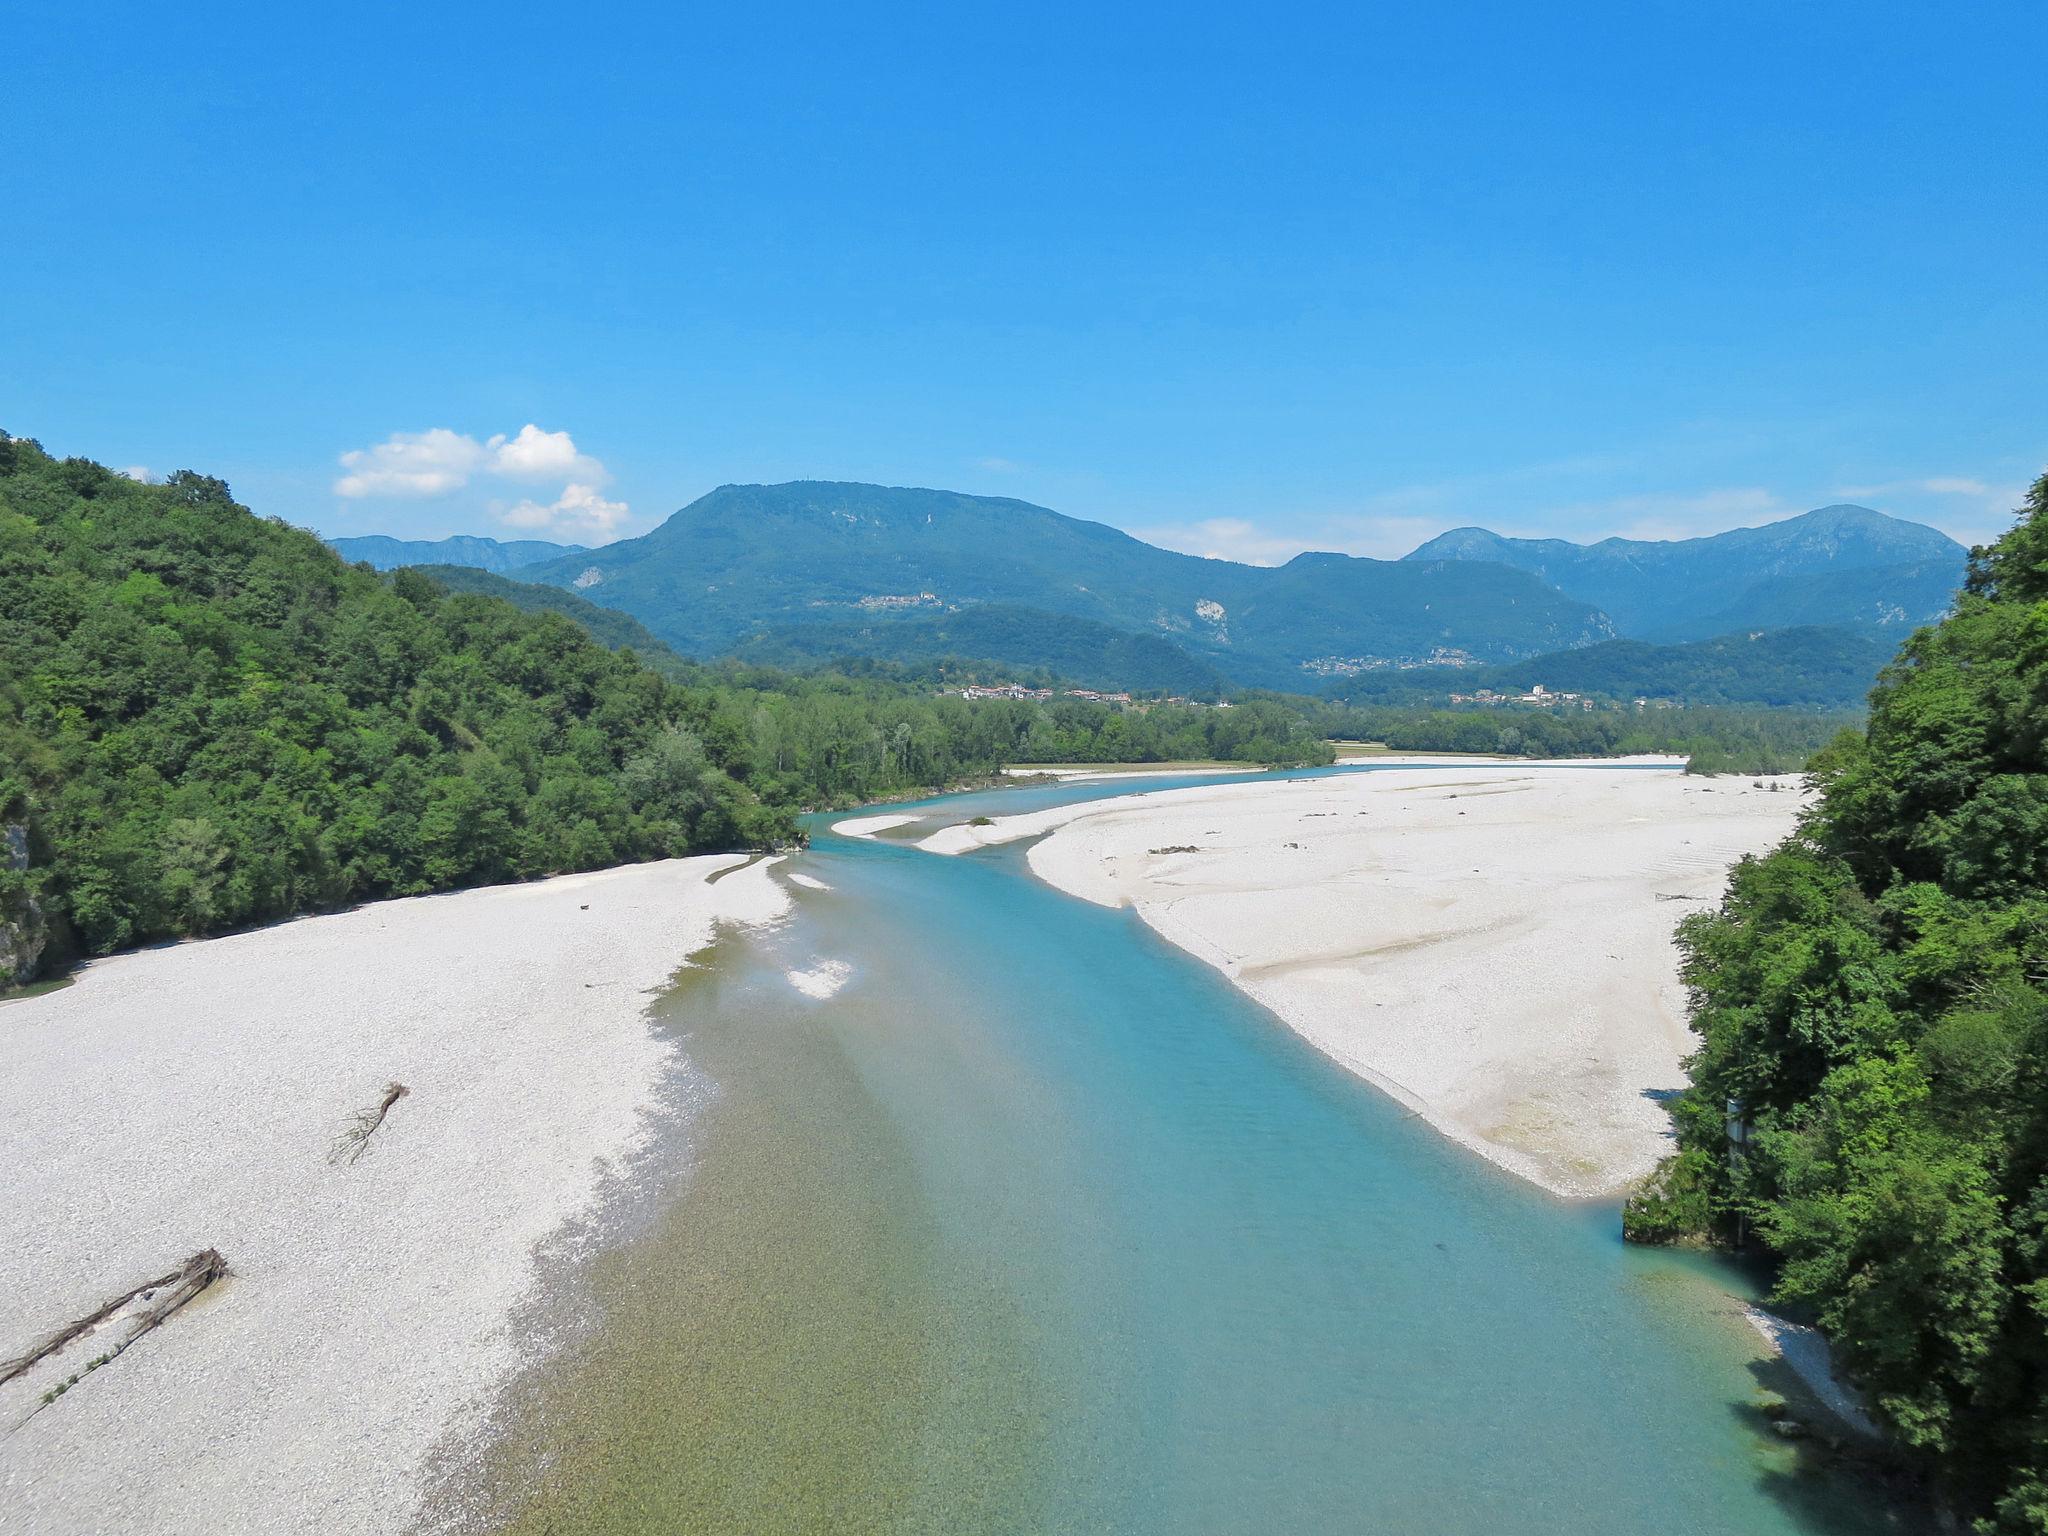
[(24, 932)]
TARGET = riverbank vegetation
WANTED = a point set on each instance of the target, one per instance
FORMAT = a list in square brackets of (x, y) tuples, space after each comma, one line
[(1714, 740), (1870, 1093)]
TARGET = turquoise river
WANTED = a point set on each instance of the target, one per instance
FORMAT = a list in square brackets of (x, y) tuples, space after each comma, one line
[(1038, 1226)]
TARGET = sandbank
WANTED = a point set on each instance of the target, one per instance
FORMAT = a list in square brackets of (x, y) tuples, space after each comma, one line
[(868, 826)]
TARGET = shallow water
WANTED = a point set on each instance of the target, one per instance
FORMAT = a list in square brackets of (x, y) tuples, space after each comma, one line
[(1037, 1226)]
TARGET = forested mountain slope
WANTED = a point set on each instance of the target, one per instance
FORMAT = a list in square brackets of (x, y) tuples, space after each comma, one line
[(753, 560), (610, 628), (208, 719), (1028, 639), (1872, 998), (1817, 669), (1838, 565)]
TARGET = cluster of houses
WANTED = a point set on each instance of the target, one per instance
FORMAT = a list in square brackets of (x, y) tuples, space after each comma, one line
[(1539, 695), (1091, 695), (1543, 698), (1004, 691)]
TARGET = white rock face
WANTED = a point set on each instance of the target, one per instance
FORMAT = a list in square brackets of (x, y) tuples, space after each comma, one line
[(1209, 611), (23, 933), (589, 578)]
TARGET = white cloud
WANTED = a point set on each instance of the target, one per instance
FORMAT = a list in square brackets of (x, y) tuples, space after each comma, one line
[(999, 466), (538, 455), (438, 461), (1375, 536), (429, 463), (141, 472), (1223, 538), (1931, 485), (1965, 507), (578, 510), (1386, 525)]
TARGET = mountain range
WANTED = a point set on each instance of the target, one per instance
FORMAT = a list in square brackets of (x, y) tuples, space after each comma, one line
[(812, 570), (749, 565), (475, 553), (1838, 565)]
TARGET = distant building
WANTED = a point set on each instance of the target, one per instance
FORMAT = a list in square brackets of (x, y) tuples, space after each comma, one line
[(1538, 696), (1004, 691)]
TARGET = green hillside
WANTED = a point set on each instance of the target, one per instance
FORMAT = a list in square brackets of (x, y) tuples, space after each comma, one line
[(1027, 639), (1814, 669), (1840, 565), (1871, 1001), (746, 562), (610, 628), (207, 719)]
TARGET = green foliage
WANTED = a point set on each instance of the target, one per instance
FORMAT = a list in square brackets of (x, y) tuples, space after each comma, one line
[(208, 720), (1677, 1201), (611, 629), (1719, 740), (1874, 995), (1078, 650)]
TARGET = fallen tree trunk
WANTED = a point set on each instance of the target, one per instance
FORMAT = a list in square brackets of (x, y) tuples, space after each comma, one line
[(176, 1288)]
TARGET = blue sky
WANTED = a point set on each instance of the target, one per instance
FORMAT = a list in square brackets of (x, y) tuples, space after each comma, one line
[(1242, 283)]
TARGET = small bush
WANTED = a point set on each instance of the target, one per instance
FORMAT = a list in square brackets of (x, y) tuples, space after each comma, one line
[(1673, 1203)]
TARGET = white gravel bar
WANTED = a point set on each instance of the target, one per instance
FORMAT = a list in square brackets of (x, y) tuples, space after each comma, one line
[(868, 826), (189, 1097)]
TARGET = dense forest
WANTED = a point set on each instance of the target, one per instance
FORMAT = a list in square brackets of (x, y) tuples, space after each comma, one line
[(1079, 650), (1872, 1006), (208, 719)]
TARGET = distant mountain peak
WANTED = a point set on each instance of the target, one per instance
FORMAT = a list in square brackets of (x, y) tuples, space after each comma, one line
[(1838, 564)]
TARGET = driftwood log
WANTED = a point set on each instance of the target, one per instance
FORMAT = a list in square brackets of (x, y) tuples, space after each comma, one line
[(354, 1140), (163, 1296)]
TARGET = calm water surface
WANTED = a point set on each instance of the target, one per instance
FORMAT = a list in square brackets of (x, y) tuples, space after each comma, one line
[(1037, 1226)]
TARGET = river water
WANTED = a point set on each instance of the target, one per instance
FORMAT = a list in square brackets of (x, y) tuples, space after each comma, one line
[(1038, 1226)]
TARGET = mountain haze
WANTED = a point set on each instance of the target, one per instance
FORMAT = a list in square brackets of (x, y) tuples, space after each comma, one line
[(1838, 565), (500, 555), (748, 561)]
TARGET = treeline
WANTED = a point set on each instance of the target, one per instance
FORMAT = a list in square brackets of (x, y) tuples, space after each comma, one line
[(208, 720), (1713, 740), (1871, 1001)]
